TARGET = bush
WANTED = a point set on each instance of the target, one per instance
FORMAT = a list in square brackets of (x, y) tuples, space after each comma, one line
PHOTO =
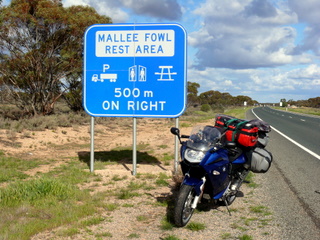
[(205, 108), (35, 190)]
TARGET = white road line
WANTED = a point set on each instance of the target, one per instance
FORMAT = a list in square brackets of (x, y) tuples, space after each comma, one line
[(291, 140)]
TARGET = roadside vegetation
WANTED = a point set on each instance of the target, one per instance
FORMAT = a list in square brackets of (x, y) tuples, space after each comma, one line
[(303, 110), (68, 194)]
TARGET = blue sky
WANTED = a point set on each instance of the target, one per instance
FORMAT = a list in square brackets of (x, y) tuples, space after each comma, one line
[(265, 49)]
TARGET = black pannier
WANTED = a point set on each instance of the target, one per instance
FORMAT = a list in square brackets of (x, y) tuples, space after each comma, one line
[(260, 160), (262, 125)]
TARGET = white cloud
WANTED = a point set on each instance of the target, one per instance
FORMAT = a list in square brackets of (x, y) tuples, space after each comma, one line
[(308, 12), (119, 10), (256, 79), (110, 8), (312, 72), (315, 82), (264, 85), (243, 34), (228, 83), (68, 3), (165, 9)]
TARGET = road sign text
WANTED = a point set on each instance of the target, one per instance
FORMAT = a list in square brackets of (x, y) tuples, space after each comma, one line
[(136, 43)]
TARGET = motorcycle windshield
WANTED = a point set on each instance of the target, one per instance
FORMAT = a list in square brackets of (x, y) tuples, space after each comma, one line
[(203, 138)]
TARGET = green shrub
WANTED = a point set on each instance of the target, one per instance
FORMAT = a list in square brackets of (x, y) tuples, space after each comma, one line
[(245, 237), (12, 168), (205, 108), (35, 190), (171, 237), (195, 226)]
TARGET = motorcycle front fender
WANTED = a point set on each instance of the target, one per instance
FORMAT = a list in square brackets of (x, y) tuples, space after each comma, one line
[(195, 182)]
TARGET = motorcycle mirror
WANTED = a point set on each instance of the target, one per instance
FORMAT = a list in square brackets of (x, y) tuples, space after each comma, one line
[(175, 131)]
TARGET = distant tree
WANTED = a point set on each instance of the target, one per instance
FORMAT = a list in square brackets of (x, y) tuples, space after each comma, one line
[(239, 100), (284, 102), (193, 93), (73, 96), (193, 88), (218, 100), (313, 102), (227, 99), (210, 97), (291, 102), (41, 51)]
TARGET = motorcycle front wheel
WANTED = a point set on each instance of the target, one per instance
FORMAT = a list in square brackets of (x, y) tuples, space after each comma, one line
[(182, 209)]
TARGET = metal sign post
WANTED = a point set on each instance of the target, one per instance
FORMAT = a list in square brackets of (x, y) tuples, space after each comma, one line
[(92, 145), (176, 150), (134, 150)]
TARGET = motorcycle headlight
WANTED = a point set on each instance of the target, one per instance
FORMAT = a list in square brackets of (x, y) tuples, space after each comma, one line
[(193, 156)]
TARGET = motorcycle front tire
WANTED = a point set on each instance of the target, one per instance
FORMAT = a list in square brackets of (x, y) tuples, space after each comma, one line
[(182, 209)]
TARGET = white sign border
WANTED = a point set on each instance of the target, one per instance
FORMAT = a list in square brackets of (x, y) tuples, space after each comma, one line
[(133, 25)]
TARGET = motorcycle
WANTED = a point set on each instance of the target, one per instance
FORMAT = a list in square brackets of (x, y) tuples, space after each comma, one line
[(214, 168)]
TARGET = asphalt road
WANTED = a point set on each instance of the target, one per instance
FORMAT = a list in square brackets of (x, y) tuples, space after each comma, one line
[(304, 129), (293, 181)]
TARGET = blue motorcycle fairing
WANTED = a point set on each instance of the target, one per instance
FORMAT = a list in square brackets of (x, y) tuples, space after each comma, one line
[(240, 160), (220, 194), (217, 165), (214, 156), (191, 181)]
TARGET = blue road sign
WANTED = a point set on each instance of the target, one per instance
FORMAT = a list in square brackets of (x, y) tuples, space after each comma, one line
[(135, 70)]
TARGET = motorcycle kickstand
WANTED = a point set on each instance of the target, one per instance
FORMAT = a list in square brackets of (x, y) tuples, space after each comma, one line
[(225, 202)]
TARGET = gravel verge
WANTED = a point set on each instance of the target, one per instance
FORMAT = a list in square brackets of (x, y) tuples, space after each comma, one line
[(143, 217)]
